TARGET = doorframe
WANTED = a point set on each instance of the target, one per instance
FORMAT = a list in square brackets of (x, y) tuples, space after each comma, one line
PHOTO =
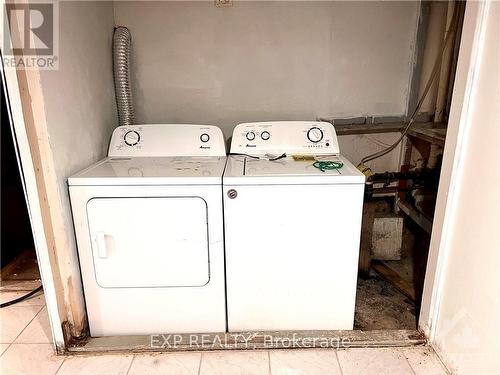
[(28, 174), (452, 170)]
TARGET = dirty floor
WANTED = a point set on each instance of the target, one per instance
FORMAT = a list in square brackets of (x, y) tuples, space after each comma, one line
[(26, 349), (379, 305)]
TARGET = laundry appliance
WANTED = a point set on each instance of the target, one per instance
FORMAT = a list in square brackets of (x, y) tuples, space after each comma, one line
[(149, 228), (292, 211)]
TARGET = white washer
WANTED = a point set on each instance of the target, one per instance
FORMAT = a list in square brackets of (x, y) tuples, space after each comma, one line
[(149, 228), (292, 232)]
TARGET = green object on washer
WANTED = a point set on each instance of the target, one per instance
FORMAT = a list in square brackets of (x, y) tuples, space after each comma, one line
[(327, 165)]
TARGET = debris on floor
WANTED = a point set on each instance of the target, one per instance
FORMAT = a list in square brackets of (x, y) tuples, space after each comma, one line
[(379, 305)]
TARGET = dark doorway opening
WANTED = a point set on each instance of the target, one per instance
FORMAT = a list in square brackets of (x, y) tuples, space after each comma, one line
[(17, 257)]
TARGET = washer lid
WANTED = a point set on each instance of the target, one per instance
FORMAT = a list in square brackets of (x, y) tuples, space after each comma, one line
[(285, 167), (242, 170), (181, 170)]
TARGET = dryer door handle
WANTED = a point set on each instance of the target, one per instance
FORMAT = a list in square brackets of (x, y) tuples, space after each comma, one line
[(102, 250)]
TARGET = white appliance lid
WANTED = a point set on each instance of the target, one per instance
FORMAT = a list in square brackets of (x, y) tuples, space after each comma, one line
[(177, 170), (244, 170), (284, 167)]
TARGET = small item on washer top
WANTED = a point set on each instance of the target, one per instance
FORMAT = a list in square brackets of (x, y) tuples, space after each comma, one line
[(303, 157), (327, 165)]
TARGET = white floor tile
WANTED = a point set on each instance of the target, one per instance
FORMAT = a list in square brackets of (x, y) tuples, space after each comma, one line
[(235, 363), (373, 362), (3, 347), (14, 319), (38, 331), (30, 359), (168, 363), (424, 361), (35, 300), (304, 362), (102, 365)]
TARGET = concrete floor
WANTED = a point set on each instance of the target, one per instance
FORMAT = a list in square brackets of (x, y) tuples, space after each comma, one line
[(379, 305)]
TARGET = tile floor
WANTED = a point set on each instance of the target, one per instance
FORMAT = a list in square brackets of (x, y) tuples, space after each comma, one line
[(25, 349)]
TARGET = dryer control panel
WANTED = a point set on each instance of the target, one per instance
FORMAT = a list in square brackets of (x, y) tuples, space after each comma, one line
[(167, 140), (291, 137)]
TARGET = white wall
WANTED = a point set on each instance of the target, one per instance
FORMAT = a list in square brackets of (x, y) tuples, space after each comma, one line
[(466, 294), (355, 147), (80, 113), (255, 61)]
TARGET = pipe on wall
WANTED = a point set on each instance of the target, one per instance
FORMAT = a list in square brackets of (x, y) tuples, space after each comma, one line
[(121, 72), (444, 17), (446, 62)]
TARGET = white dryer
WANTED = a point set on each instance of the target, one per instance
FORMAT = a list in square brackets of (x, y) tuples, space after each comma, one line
[(149, 228), (292, 229)]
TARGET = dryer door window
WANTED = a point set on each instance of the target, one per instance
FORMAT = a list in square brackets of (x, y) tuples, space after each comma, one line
[(149, 242)]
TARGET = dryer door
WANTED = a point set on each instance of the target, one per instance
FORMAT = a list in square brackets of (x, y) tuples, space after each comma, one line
[(149, 242)]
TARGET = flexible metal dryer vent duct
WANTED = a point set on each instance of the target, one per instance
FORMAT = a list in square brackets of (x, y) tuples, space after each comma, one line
[(121, 71)]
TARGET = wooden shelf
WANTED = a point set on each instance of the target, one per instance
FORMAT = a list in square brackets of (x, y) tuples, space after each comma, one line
[(368, 128), (435, 136), (420, 219), (428, 131)]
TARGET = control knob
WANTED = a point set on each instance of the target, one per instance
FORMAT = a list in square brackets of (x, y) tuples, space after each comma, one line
[(315, 134), (131, 138), (250, 136)]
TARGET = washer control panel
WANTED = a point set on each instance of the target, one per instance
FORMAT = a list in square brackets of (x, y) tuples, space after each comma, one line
[(291, 137), (167, 140)]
